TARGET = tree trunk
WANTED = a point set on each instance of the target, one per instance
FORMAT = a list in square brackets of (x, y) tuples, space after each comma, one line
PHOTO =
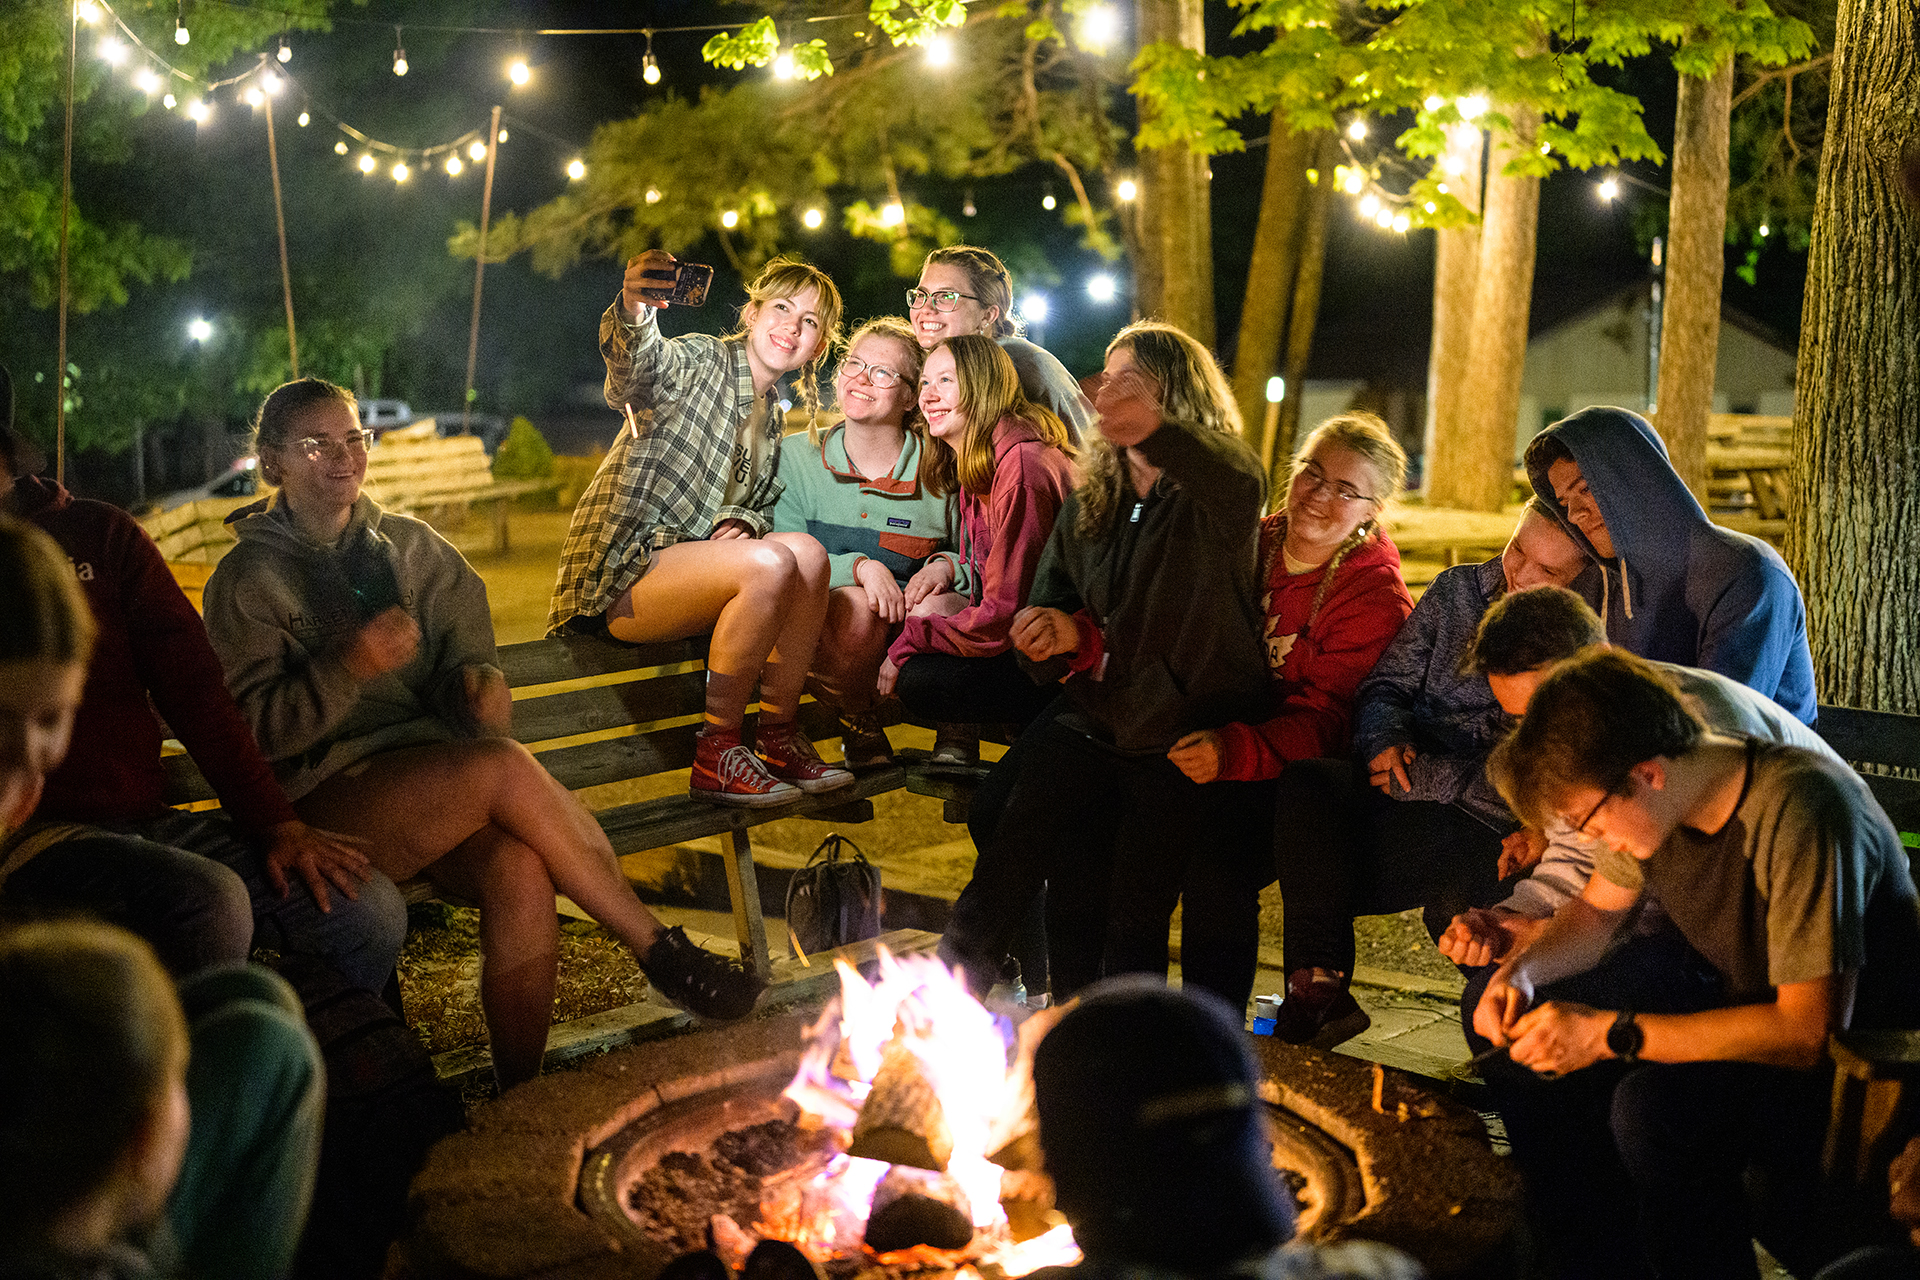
[(1475, 471), (1456, 268), (1853, 533), (1270, 275), (1175, 274), (1304, 311), (1696, 264)]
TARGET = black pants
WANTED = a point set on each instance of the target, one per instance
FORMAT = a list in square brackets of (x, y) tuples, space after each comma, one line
[(1343, 849), (996, 690), (990, 796), (1083, 820)]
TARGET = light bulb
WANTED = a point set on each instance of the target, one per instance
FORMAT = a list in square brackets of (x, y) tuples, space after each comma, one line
[(286, 51), (1434, 102), (368, 164), (1471, 107), (939, 52), (503, 135), (1034, 307), (1442, 188), (169, 101), (146, 80), (1127, 191), (1383, 219), (180, 35), (650, 69), (87, 11), (1047, 201), (340, 147), (577, 170), (1357, 130), (1765, 231), (812, 219), (519, 72), (199, 329), (1099, 26), (400, 172), (306, 118), (730, 219), (111, 51), (399, 62), (1401, 222), (1369, 205), (199, 111), (653, 195), (1276, 389), (1431, 207), (253, 96), (1101, 288), (783, 66), (1608, 189), (893, 215), (478, 152), (454, 166), (270, 82)]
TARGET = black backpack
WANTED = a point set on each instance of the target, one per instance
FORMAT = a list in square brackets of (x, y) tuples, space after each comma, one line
[(835, 899)]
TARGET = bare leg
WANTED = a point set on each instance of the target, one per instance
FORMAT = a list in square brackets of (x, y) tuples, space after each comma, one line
[(519, 945), (851, 648), (803, 614), (944, 605), (415, 806)]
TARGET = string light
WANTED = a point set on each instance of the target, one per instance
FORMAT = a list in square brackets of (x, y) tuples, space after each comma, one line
[(306, 117), (400, 172), (454, 167), (1471, 108), (730, 219), (199, 329), (503, 136), (180, 35), (253, 97), (1127, 191), (1102, 288), (1047, 201), (286, 50), (340, 147), (169, 102), (87, 11), (1034, 308), (368, 164), (1431, 207), (967, 209), (1608, 189), (783, 67), (652, 196), (813, 219), (1357, 130), (939, 51), (1355, 182), (1442, 188), (893, 214), (649, 65), (1383, 219), (1434, 102), (1099, 27), (519, 72), (1765, 231), (1369, 205), (478, 151), (111, 51), (1401, 222), (147, 80), (200, 111), (576, 170), (399, 54)]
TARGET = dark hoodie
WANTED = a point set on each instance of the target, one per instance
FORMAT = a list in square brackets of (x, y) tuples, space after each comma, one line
[(1680, 588)]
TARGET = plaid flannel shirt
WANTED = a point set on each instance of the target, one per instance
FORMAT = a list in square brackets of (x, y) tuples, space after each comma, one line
[(692, 397)]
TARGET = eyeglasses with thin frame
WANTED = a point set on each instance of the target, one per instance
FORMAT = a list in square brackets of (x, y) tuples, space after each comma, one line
[(878, 374), (319, 448), (1601, 803), (939, 299), (1315, 479)]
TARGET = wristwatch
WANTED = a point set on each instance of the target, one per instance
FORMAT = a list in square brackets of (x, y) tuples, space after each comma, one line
[(1625, 1038)]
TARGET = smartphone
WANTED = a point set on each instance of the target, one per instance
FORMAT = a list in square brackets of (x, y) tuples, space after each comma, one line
[(691, 280)]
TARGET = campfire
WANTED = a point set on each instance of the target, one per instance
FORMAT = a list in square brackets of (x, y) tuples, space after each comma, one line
[(912, 1142)]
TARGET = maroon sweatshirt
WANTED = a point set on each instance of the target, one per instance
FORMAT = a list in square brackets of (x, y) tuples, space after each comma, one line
[(152, 652)]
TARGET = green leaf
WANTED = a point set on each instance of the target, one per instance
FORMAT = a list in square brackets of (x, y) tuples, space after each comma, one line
[(754, 45)]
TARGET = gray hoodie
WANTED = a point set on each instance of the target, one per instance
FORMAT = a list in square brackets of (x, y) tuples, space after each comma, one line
[(282, 610)]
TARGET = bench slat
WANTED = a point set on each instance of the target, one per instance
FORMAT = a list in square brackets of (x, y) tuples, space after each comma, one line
[(609, 706), (574, 657), (652, 824), (1872, 737)]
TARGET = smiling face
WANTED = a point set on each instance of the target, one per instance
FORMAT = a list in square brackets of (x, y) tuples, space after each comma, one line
[(1540, 554), (324, 475), (782, 334), (38, 698), (861, 400), (930, 325), (940, 399), (1582, 511), (1334, 491)]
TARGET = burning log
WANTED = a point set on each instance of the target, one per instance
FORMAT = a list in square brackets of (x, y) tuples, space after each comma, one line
[(913, 1207), (902, 1121)]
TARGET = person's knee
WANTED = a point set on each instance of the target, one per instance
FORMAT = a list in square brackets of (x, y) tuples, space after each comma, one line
[(809, 557), (363, 935)]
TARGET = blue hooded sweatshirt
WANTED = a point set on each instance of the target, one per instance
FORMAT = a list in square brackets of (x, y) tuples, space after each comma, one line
[(1680, 588)]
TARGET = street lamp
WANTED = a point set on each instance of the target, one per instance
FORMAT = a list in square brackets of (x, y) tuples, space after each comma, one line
[(199, 329), (1102, 288)]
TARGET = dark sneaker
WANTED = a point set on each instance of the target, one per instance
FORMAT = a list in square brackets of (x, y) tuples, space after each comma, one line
[(1319, 1010), (863, 743), (726, 772), (704, 983), (791, 758), (955, 746)]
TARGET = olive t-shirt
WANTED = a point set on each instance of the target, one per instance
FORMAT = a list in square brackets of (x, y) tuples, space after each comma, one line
[(1807, 879)]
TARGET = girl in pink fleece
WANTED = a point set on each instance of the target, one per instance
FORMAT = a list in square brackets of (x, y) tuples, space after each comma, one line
[(1006, 462)]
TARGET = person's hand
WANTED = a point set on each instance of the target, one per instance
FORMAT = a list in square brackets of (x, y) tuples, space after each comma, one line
[(1903, 1187), (884, 596), (934, 578), (1198, 756), (1501, 1004), (730, 528), (1040, 633), (1478, 936), (1521, 851), (1129, 408), (490, 699), (888, 677), (386, 643), (1560, 1036), (637, 281), (322, 858), (1389, 767)]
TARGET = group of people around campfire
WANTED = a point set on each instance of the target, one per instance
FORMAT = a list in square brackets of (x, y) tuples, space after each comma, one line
[(1588, 759)]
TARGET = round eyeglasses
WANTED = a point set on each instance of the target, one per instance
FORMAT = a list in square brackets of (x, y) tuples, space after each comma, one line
[(319, 448), (878, 374), (1314, 479), (939, 299)]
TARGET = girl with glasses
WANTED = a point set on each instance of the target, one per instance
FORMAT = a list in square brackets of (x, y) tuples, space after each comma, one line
[(964, 289), (856, 489), (359, 645), (1007, 464), (674, 536)]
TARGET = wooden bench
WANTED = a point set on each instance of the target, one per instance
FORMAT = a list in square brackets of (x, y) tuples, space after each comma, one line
[(1875, 1071), (416, 471)]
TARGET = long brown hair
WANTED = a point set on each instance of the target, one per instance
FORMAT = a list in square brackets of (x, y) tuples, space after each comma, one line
[(989, 391), (784, 278), (1193, 391)]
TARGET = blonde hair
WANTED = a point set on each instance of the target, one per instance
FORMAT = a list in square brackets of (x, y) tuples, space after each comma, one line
[(899, 332), (1365, 435), (786, 278), (1193, 392), (988, 277), (989, 391), (47, 618)]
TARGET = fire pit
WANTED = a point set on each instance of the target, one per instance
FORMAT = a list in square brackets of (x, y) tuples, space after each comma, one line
[(555, 1178)]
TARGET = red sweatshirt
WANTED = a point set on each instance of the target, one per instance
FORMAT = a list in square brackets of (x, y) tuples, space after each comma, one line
[(1317, 669), (151, 642), (1002, 539)]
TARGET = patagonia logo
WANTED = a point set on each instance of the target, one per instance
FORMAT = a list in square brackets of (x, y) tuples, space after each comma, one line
[(895, 522)]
